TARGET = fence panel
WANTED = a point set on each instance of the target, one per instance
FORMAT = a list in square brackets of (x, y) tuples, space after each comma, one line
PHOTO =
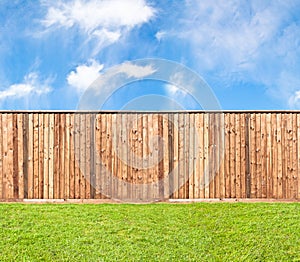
[(147, 156)]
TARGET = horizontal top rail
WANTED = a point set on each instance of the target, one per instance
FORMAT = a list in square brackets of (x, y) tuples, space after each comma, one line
[(146, 112)]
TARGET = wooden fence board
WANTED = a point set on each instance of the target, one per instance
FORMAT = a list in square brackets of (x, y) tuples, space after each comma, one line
[(227, 156), (269, 153), (191, 155), (51, 156), (46, 156)]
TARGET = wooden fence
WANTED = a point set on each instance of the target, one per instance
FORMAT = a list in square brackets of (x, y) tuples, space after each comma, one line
[(146, 156)]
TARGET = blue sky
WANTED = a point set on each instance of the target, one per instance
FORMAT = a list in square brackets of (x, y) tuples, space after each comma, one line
[(247, 51)]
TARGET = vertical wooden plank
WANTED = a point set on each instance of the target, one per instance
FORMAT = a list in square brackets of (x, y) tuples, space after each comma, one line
[(98, 155), (201, 149), (24, 119), (191, 160), (103, 165), (285, 126), (82, 146), (5, 160), (294, 170), (175, 131), (137, 153), (298, 156), (269, 163), (289, 155), (56, 177), (232, 156), (40, 140), (166, 160), (155, 163), (186, 155), (275, 159), (116, 156), (139, 167), (206, 170), (280, 157), (20, 145), (36, 156), (160, 163), (222, 155), (1, 158), (109, 174), (46, 156), (171, 129), (15, 160), (263, 156), (72, 156), (61, 177), (198, 155), (227, 155), (145, 153), (216, 156), (253, 169), (131, 128), (243, 155), (130, 146), (93, 153), (67, 131), (88, 157), (247, 156), (121, 144), (181, 119), (258, 155), (51, 156), (30, 158), (238, 184), (10, 155), (77, 154), (211, 147)]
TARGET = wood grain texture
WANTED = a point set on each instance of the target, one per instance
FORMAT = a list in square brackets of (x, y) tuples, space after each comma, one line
[(139, 156)]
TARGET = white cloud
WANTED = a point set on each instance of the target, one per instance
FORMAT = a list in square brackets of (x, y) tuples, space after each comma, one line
[(84, 75), (160, 35), (104, 38), (242, 42), (105, 20), (294, 100), (30, 86), (132, 70), (90, 15)]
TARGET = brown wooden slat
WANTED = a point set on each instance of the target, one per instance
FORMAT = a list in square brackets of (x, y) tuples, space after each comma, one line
[(264, 182), (227, 156), (206, 156), (258, 156), (252, 149), (232, 156), (46, 156), (20, 165), (166, 160), (5, 161), (51, 156), (269, 153), (30, 173), (62, 155)]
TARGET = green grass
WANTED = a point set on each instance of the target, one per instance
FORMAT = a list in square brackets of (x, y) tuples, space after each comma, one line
[(165, 232)]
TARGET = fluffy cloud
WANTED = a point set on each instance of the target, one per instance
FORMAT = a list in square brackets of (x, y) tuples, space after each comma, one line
[(132, 70), (84, 75), (244, 42), (30, 86), (90, 15), (104, 20)]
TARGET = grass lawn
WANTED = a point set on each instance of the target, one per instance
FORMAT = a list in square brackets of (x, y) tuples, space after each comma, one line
[(177, 232)]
